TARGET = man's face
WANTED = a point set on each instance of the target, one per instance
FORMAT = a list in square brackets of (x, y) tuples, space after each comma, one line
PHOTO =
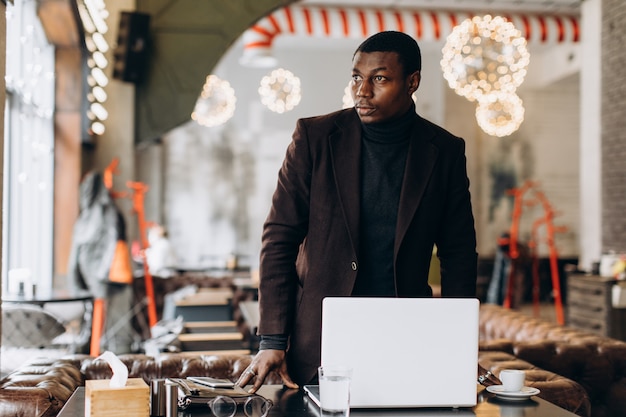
[(380, 89)]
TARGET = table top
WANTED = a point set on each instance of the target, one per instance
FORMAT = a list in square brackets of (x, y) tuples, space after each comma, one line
[(295, 403), (593, 278), (43, 297)]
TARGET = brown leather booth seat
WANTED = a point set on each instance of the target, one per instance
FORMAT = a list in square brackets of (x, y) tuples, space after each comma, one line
[(41, 388), (555, 388), (597, 363), (581, 372)]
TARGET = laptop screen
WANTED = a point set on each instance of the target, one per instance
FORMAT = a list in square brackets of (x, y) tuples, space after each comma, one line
[(405, 352)]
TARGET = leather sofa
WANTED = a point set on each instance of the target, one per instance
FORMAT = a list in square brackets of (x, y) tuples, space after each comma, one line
[(510, 339), (578, 371), (41, 388)]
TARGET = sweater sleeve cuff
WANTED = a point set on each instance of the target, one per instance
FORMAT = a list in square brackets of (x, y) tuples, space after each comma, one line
[(274, 341)]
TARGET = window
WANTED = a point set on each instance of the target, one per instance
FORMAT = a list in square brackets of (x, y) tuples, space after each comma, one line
[(29, 148)]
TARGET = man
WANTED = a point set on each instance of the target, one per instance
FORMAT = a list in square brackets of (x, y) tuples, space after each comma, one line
[(362, 196)]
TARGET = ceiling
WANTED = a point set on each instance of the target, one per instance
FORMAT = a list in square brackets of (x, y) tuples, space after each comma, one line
[(530, 6), (193, 35)]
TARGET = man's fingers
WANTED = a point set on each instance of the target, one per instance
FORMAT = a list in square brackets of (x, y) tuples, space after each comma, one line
[(245, 377), (243, 380), (258, 382), (287, 381), (251, 374), (290, 384), (260, 367)]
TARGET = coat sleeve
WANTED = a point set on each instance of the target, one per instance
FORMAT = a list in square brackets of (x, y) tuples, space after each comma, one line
[(456, 243), (284, 231)]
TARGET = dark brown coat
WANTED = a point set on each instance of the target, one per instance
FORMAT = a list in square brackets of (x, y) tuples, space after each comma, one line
[(311, 236)]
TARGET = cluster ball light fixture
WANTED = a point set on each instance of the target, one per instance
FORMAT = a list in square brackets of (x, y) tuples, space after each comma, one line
[(216, 103), (500, 113), (485, 60), (280, 90), (483, 55)]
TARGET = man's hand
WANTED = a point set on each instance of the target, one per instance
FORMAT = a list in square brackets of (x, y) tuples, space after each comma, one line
[(263, 363)]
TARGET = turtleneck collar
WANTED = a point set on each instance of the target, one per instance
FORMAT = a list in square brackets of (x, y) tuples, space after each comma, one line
[(396, 130)]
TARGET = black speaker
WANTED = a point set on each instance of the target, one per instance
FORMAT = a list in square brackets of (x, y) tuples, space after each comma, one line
[(131, 53)]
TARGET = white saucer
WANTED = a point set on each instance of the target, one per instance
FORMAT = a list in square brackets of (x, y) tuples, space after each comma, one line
[(523, 394)]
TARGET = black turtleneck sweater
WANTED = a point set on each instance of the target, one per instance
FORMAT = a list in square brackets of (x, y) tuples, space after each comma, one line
[(384, 149), (383, 159)]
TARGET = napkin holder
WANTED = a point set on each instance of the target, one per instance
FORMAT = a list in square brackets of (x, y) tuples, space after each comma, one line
[(131, 400)]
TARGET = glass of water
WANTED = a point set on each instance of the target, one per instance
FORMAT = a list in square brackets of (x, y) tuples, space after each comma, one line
[(334, 384)]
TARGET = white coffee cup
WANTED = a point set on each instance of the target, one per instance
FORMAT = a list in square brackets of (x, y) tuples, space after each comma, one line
[(512, 379)]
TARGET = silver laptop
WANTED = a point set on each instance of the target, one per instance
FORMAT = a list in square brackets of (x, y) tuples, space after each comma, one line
[(313, 404), (405, 352)]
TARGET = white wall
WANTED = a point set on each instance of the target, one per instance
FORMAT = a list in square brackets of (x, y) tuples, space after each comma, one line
[(202, 202)]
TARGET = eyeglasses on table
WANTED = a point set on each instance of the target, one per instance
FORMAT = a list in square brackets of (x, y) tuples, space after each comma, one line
[(225, 406)]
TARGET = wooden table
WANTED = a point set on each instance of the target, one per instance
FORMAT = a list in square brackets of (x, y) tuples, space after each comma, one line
[(294, 403), (45, 297)]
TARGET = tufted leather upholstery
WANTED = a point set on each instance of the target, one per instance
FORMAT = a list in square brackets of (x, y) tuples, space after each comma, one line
[(597, 363), (578, 371), (41, 388), (555, 388)]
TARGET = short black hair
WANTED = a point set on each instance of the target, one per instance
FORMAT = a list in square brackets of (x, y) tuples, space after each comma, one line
[(406, 47)]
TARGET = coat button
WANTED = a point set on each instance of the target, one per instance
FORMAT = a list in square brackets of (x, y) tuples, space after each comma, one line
[(353, 266)]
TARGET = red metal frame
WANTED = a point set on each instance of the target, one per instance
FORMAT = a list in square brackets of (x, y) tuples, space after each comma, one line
[(551, 229), (139, 189)]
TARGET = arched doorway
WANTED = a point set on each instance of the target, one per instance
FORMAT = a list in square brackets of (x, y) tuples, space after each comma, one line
[(188, 39)]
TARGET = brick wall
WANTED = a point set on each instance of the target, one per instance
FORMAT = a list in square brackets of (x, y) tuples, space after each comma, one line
[(613, 125)]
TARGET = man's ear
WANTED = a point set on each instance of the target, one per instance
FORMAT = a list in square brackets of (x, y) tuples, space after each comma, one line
[(414, 81)]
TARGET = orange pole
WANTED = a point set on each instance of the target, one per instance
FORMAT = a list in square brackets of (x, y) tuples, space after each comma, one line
[(514, 232), (554, 266), (109, 171), (139, 189), (532, 245), (556, 286), (97, 324)]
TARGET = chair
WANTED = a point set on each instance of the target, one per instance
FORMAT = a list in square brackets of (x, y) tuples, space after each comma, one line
[(29, 326), (28, 331)]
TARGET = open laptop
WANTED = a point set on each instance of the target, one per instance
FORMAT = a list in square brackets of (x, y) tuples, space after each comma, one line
[(405, 352), (313, 404)]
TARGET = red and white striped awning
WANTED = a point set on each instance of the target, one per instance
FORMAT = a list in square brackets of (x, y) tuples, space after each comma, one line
[(359, 23)]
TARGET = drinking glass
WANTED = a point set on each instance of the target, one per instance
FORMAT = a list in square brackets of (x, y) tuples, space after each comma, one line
[(334, 384)]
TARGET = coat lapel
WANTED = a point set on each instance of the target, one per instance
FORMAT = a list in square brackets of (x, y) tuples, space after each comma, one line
[(419, 166), (345, 150)]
